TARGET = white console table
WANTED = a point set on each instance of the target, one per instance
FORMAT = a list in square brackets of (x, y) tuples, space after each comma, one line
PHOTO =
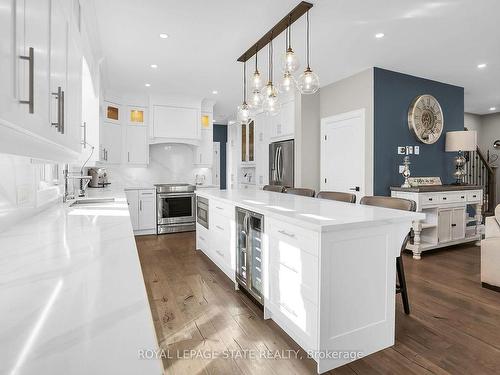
[(447, 221)]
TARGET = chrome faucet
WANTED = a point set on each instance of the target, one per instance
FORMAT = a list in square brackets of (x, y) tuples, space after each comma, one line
[(84, 181)]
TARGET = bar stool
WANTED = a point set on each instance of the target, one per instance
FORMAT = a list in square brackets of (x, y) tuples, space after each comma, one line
[(301, 191), (337, 196), (398, 204), (275, 188)]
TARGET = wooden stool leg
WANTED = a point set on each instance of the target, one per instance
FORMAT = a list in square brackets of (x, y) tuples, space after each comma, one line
[(402, 284)]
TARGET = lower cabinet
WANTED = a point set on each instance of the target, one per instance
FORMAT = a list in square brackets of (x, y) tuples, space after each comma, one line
[(451, 224), (142, 208)]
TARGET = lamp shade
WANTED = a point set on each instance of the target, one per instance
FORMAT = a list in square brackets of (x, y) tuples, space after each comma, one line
[(461, 141)]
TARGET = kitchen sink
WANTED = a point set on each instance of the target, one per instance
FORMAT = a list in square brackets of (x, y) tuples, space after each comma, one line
[(83, 202)]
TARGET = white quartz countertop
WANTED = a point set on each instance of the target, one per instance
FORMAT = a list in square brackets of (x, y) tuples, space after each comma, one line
[(312, 213), (73, 299)]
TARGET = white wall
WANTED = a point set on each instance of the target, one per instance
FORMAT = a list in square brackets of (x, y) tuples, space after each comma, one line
[(488, 131), (169, 163), (347, 95)]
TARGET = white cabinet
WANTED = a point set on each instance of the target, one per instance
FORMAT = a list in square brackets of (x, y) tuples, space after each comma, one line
[(142, 208), (447, 220), (39, 62), (176, 123), (247, 139), (111, 145), (133, 207), (261, 150), (283, 125), (451, 224), (136, 144), (204, 151)]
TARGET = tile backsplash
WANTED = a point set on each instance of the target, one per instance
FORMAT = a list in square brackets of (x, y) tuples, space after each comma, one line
[(27, 186)]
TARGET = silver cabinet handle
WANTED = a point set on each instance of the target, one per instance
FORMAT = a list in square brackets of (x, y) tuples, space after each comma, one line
[(201, 238), (31, 83), (140, 205), (286, 233), (58, 95), (62, 112), (219, 227), (219, 208), (145, 193), (220, 253), (128, 156)]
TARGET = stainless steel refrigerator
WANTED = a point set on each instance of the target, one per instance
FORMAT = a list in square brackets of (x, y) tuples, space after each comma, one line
[(281, 163)]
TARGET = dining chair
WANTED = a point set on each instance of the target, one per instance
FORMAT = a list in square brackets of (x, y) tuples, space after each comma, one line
[(398, 204), (337, 196), (301, 191), (275, 188)]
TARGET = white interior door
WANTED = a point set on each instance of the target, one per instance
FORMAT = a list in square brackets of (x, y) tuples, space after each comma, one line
[(216, 163), (343, 153)]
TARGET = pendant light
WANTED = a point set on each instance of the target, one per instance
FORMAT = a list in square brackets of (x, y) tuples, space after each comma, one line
[(256, 99), (256, 79), (244, 108), (271, 104), (308, 82), (291, 61), (287, 84)]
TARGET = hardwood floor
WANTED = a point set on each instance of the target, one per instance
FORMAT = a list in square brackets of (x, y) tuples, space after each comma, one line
[(454, 326)]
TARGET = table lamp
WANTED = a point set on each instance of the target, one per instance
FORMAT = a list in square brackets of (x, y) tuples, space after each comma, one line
[(460, 141)]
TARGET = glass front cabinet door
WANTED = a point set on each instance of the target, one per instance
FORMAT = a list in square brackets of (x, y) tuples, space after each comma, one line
[(112, 112), (136, 115)]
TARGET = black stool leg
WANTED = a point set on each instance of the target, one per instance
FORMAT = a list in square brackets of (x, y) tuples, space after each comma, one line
[(402, 284)]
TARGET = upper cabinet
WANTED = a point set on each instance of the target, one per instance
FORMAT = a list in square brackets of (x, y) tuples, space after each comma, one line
[(247, 133), (283, 125), (112, 112), (40, 61), (176, 123)]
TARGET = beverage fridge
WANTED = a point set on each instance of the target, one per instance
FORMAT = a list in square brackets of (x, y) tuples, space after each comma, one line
[(250, 228)]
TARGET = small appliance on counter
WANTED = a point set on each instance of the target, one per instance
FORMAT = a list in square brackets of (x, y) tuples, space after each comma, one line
[(99, 177)]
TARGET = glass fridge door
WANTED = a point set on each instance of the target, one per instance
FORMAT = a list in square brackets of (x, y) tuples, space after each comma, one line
[(256, 229), (241, 256)]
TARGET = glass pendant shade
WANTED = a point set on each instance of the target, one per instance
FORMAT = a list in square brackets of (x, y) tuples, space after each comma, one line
[(291, 61), (243, 112), (270, 90), (272, 105), (256, 80), (308, 82), (287, 83), (256, 100)]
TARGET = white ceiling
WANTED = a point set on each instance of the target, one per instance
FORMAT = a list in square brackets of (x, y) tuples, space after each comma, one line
[(440, 40)]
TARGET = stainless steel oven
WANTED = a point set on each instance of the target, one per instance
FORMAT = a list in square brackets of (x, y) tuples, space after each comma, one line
[(202, 211), (175, 208)]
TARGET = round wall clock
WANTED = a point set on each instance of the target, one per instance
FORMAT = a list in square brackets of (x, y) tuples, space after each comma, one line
[(425, 119)]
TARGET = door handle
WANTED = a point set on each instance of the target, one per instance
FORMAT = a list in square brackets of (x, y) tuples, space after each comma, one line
[(31, 80), (356, 188)]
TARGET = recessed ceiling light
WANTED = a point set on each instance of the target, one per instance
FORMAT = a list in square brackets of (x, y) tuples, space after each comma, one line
[(481, 66), (154, 66), (164, 36), (147, 84), (493, 108), (215, 92), (379, 35)]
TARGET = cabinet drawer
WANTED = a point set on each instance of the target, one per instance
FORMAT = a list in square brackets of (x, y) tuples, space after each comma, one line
[(296, 267), (429, 199), (301, 314), (454, 197), (202, 238), (222, 208), (221, 226), (294, 236), (474, 196)]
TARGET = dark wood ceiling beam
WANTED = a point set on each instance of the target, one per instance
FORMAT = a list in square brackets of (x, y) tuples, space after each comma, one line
[(277, 29)]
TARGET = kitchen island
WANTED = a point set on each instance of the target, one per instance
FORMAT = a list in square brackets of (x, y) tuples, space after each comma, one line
[(73, 295), (328, 268)]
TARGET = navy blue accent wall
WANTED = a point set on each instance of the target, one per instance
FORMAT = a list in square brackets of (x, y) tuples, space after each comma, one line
[(220, 135), (393, 94)]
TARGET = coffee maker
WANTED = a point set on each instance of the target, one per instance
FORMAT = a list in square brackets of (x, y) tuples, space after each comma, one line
[(99, 177)]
